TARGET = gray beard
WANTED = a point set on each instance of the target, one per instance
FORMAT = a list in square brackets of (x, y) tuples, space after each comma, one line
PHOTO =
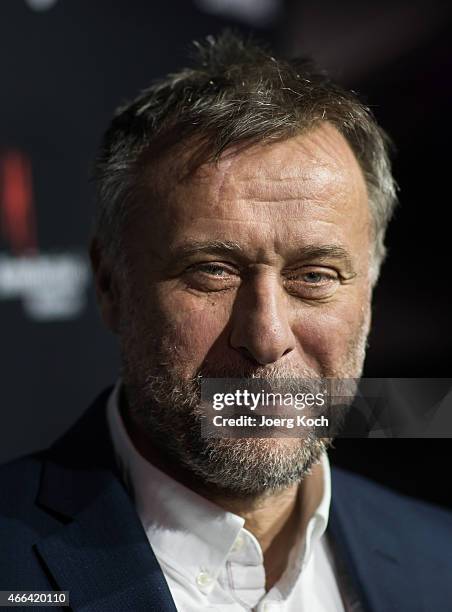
[(166, 407)]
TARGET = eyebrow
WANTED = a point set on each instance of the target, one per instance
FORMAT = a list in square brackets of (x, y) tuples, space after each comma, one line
[(327, 251), (307, 252), (211, 246)]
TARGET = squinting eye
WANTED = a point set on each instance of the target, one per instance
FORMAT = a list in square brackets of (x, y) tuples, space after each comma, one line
[(312, 284), (212, 277), (213, 269), (315, 277)]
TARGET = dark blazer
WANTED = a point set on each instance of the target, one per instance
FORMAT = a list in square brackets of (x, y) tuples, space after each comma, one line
[(67, 523)]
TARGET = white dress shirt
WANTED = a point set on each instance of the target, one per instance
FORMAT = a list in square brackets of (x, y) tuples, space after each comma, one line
[(209, 560)]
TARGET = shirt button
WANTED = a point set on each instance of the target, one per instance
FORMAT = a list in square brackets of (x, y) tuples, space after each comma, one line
[(203, 579), (238, 544)]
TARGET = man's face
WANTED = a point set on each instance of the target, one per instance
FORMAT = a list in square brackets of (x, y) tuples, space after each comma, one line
[(255, 266)]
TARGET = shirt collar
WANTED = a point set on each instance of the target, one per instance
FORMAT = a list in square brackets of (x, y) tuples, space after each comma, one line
[(178, 521)]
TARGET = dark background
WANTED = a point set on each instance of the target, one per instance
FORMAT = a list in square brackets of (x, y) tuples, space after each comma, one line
[(66, 64)]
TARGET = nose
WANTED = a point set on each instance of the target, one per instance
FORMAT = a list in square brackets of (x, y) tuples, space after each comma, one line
[(260, 328)]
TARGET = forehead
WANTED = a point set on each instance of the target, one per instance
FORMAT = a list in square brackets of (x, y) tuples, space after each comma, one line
[(309, 182), (312, 165)]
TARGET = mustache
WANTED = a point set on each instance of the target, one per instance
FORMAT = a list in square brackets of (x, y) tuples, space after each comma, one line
[(282, 379), (254, 372)]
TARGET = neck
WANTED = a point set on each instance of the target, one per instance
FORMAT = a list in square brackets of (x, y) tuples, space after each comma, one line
[(274, 518)]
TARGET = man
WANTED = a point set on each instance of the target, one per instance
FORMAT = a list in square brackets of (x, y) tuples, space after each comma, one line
[(242, 206)]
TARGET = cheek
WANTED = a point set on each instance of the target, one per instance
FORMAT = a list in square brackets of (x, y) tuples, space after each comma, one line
[(189, 325), (326, 333)]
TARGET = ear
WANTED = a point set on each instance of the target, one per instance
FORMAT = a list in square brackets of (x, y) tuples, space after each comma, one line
[(106, 286)]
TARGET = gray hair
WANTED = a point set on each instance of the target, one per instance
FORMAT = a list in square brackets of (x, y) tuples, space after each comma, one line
[(236, 93)]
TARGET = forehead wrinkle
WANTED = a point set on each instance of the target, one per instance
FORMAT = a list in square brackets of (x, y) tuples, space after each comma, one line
[(223, 179), (308, 179), (314, 178), (312, 186)]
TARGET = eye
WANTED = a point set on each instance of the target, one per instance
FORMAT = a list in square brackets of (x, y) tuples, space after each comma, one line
[(212, 276), (315, 277), (213, 269), (312, 283)]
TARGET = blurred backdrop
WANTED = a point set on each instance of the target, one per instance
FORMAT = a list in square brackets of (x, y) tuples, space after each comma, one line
[(66, 64)]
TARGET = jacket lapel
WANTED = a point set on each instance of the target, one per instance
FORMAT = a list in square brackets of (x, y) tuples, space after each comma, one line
[(99, 552), (377, 563)]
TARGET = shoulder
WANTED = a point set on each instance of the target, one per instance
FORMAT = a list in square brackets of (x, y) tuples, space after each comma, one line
[(22, 521), (376, 496), (19, 481), (80, 447), (35, 489), (19, 487), (426, 524)]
